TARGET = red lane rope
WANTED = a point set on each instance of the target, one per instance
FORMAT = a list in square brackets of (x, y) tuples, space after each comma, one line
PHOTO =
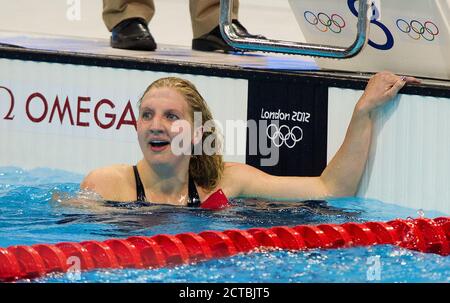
[(18, 262)]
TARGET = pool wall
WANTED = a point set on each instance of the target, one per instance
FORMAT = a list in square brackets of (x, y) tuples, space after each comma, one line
[(76, 113), (78, 118), (409, 162)]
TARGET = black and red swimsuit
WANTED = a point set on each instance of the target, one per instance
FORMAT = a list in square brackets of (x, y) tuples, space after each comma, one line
[(215, 201)]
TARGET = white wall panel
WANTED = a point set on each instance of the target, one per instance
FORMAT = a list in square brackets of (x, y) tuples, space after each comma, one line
[(409, 162), (79, 149)]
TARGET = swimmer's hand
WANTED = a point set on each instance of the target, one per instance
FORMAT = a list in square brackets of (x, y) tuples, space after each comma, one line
[(381, 88)]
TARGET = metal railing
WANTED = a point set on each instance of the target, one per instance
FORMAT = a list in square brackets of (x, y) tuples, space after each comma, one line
[(290, 47)]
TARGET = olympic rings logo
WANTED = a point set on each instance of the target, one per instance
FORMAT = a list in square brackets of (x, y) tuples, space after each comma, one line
[(415, 29), (323, 22), (284, 135)]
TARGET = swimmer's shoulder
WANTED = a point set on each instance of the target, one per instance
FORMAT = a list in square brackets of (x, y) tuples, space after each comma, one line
[(111, 182)]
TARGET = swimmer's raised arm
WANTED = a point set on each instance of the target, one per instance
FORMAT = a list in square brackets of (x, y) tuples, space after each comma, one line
[(342, 175)]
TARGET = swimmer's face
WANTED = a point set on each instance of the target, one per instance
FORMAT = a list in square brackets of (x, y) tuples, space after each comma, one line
[(164, 119)]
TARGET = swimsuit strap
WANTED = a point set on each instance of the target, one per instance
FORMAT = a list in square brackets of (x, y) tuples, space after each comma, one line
[(140, 192), (193, 200)]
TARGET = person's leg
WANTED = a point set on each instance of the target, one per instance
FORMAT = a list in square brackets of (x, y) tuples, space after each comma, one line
[(127, 21), (205, 15), (116, 11)]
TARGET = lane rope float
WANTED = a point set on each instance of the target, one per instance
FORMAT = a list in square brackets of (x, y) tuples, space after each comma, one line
[(20, 261)]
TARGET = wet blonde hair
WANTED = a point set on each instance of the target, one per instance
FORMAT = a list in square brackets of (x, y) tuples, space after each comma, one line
[(206, 170)]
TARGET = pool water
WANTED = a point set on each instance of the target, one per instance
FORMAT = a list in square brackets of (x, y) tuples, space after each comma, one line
[(29, 215)]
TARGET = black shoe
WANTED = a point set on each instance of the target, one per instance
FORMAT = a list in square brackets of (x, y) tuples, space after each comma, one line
[(132, 34), (213, 40), (242, 31)]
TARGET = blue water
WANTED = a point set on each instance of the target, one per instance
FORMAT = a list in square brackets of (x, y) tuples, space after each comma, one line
[(29, 215)]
